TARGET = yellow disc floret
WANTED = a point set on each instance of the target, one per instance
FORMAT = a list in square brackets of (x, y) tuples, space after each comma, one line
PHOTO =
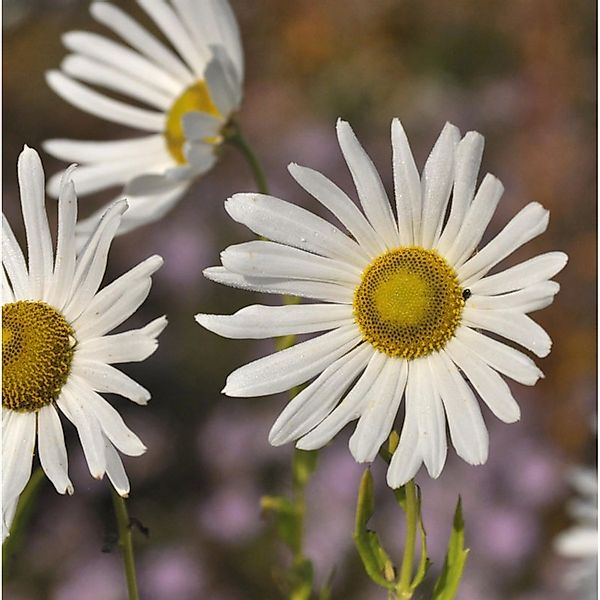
[(195, 98), (408, 303), (37, 350)]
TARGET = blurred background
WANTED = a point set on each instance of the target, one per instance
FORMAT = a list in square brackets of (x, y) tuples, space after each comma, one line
[(521, 72)]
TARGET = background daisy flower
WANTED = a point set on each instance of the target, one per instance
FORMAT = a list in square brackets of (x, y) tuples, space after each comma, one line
[(56, 354), (188, 92), (406, 303)]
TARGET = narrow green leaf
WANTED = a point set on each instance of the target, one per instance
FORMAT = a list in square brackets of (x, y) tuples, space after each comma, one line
[(423, 561), (447, 585)]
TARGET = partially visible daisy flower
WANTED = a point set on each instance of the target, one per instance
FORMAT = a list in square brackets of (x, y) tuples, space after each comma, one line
[(188, 92), (405, 301), (56, 354), (580, 542)]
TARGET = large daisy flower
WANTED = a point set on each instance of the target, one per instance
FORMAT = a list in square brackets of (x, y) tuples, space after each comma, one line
[(406, 303), (188, 93), (56, 354)]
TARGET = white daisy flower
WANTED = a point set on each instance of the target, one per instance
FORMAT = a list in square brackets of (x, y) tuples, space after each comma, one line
[(56, 354), (188, 93), (405, 302), (580, 542)]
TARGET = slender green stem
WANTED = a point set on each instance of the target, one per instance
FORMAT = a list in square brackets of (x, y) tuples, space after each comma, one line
[(22, 515), (411, 536), (126, 544), (234, 136)]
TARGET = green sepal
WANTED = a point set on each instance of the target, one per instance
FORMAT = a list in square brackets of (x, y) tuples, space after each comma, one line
[(448, 582)]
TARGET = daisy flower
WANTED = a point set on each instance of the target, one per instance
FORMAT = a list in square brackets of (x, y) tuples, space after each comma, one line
[(188, 91), (406, 303), (580, 542), (56, 354)]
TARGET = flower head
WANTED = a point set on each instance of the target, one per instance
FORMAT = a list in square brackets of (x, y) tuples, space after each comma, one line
[(405, 301), (56, 354), (188, 91)]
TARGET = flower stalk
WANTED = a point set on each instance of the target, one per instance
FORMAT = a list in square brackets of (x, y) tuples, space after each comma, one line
[(126, 544)]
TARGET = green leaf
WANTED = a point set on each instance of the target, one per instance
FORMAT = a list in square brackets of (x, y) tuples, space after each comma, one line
[(424, 562), (447, 584), (374, 558)]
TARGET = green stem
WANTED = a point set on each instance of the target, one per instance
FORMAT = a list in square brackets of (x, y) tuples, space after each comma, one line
[(126, 543), (234, 136), (22, 516), (411, 536)]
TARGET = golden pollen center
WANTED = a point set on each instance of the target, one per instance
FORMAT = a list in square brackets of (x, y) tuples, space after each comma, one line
[(37, 350), (196, 98), (408, 303)]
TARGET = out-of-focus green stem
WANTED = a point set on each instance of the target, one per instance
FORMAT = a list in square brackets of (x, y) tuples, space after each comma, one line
[(234, 136), (126, 544)]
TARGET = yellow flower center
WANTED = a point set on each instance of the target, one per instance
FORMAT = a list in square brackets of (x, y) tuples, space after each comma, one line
[(196, 98), (37, 350), (409, 302)]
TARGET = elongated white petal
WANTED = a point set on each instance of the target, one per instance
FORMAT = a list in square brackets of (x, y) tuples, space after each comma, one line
[(14, 262), (489, 385), (114, 469), (105, 378), (436, 184), (407, 186), (18, 441), (316, 401), (7, 292), (222, 83), (292, 366), (512, 325), (289, 224), (52, 449), (198, 126), (350, 407), (467, 429), (478, 217), (377, 418), (524, 226), (137, 37), (534, 270), (340, 205), (466, 166), (258, 322), (98, 105), (8, 514), (317, 290), (529, 299), (39, 242), (371, 192), (268, 259), (501, 357)]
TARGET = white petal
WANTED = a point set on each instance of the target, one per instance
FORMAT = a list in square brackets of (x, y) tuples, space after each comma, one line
[(371, 192), (52, 449), (7, 292), (478, 217), (101, 106), (350, 407), (512, 325), (74, 408), (286, 223), (534, 297), (500, 357), (39, 242), (407, 185), (137, 37), (105, 378), (378, 416), (198, 126), (318, 290), (8, 514), (467, 428), (524, 226), (466, 166), (317, 400), (18, 441), (578, 542), (292, 366), (269, 259), (259, 322), (537, 269), (489, 385), (114, 469), (110, 420), (128, 61), (222, 84), (436, 184), (431, 421), (14, 262), (338, 203)]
